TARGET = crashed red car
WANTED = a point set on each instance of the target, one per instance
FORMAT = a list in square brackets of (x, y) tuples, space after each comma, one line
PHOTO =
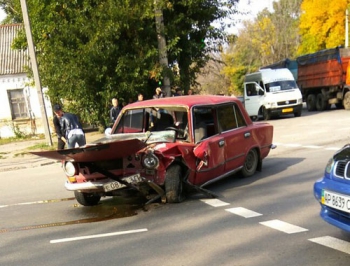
[(159, 147)]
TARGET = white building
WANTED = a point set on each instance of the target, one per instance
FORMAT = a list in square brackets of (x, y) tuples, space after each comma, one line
[(20, 111)]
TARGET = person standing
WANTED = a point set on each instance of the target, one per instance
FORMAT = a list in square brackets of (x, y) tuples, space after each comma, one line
[(190, 92), (70, 127), (114, 111), (140, 97), (61, 141), (159, 93)]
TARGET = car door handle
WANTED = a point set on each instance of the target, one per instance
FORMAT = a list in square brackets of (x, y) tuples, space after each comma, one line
[(247, 134), (221, 143)]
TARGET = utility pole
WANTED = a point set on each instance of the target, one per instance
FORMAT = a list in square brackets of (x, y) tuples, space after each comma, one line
[(163, 57), (35, 71), (346, 28)]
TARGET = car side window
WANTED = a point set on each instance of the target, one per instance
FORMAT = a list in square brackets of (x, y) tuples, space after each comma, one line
[(230, 117), (203, 123), (250, 89)]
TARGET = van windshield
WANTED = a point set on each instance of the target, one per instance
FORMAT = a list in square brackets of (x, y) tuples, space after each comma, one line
[(282, 85)]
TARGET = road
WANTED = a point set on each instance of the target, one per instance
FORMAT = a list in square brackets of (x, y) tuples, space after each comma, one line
[(271, 218)]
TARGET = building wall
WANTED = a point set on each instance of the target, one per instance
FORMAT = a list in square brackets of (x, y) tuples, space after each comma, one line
[(32, 123)]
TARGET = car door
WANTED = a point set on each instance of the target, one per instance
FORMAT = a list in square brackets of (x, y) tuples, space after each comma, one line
[(252, 99), (236, 135), (209, 149)]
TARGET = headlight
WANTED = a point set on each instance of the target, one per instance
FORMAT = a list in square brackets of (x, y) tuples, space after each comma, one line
[(70, 169), (329, 165), (150, 161), (300, 101), (271, 104)]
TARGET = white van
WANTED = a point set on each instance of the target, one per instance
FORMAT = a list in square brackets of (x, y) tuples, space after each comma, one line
[(271, 92)]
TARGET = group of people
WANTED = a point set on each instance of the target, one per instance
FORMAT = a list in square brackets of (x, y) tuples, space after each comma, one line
[(68, 129)]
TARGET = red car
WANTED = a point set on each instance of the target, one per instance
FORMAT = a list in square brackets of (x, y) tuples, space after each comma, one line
[(161, 146)]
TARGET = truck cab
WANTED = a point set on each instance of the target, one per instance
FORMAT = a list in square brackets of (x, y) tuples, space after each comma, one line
[(271, 92)]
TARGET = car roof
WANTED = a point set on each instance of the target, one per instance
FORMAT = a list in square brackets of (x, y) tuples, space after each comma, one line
[(185, 101)]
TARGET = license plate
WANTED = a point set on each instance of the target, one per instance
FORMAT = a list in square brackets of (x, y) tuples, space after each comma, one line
[(287, 110), (116, 185), (337, 201)]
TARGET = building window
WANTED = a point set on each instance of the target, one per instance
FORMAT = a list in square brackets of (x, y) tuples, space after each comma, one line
[(18, 104)]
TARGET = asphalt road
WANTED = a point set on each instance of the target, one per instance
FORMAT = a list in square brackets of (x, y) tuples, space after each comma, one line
[(271, 218)]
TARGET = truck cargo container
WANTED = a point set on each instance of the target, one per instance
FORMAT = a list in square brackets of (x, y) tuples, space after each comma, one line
[(324, 80)]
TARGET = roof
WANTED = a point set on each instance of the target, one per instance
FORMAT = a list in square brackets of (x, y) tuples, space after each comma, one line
[(185, 101), (11, 61)]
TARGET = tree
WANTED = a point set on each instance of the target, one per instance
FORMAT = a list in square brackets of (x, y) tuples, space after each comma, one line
[(271, 37), (90, 51), (322, 24)]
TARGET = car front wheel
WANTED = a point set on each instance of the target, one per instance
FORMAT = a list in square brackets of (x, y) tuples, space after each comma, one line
[(87, 199), (250, 164), (173, 185)]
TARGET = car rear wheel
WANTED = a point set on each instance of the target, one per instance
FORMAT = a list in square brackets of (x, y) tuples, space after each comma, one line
[(250, 164), (87, 199), (173, 185)]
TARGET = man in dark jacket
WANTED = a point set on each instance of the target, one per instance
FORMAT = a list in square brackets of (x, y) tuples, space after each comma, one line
[(61, 141), (114, 111), (70, 127)]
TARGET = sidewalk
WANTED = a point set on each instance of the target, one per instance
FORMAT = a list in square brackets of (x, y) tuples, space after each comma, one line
[(16, 155)]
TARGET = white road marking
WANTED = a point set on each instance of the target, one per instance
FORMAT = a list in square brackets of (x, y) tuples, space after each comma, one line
[(215, 202), (332, 149), (333, 243), (284, 227), (313, 147), (243, 212), (97, 236), (296, 145)]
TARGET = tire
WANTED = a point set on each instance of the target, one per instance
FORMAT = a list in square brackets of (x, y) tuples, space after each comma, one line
[(173, 185), (311, 102), (266, 114), (87, 199), (339, 105), (321, 102), (297, 114), (250, 164), (346, 101)]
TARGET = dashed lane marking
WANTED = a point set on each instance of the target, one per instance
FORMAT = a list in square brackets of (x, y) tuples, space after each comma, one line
[(215, 202), (284, 227), (333, 243), (243, 212), (97, 236), (297, 145)]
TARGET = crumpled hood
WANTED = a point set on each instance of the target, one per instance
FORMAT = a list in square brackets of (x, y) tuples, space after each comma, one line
[(107, 148)]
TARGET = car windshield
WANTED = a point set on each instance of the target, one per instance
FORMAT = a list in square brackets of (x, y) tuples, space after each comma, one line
[(282, 85), (152, 120)]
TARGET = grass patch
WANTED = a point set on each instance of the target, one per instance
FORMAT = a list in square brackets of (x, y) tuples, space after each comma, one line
[(4, 141), (42, 147)]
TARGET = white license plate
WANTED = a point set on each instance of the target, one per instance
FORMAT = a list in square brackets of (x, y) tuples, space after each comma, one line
[(116, 185), (336, 201)]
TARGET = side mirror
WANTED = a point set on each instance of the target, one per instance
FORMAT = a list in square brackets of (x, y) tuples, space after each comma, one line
[(108, 131)]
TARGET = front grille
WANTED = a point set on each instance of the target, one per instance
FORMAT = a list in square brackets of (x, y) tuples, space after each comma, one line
[(342, 169), (286, 102)]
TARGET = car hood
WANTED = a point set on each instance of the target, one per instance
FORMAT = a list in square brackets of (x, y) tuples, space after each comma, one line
[(343, 154), (107, 148)]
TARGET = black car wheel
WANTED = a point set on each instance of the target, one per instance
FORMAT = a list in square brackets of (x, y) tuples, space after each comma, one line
[(250, 164), (173, 185), (311, 102), (87, 199)]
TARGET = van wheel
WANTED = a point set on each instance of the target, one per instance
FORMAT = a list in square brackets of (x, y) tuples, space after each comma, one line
[(266, 114), (250, 164), (173, 185), (87, 199), (346, 101), (311, 102)]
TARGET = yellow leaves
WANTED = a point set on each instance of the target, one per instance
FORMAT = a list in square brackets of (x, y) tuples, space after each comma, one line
[(322, 24)]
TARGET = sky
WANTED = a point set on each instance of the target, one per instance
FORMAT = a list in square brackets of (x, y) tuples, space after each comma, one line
[(253, 7)]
